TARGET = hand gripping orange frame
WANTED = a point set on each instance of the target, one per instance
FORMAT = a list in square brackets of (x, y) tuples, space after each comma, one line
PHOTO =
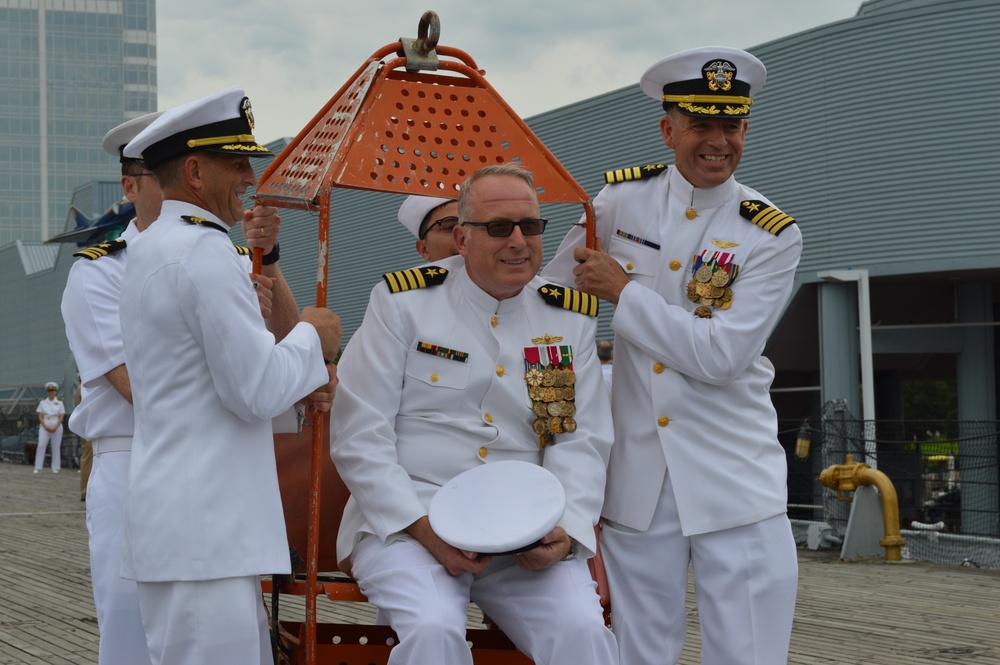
[(407, 122)]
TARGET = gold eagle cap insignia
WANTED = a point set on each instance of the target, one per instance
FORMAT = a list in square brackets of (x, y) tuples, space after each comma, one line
[(724, 244)]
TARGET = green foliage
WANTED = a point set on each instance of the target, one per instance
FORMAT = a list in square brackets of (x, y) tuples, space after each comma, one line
[(930, 400)]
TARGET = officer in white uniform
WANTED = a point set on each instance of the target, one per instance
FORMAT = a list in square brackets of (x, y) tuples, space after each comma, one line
[(203, 516), (432, 220), (104, 415), (699, 268), (460, 364), (51, 412)]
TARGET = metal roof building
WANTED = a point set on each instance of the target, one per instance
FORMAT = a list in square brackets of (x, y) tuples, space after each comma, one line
[(873, 132)]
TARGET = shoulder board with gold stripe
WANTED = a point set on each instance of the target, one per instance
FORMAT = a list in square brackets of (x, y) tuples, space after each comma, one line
[(105, 248), (571, 299), (766, 216), (415, 278), (242, 251), (201, 221), (634, 173)]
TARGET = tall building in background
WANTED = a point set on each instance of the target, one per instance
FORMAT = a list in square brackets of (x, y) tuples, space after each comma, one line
[(69, 71)]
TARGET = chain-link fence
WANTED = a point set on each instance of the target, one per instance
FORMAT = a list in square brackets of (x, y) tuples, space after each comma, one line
[(945, 474)]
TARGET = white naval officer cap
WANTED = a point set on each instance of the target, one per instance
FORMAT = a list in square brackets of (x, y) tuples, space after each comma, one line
[(52, 385), (416, 208), (222, 122), (707, 82), (497, 507), (118, 137)]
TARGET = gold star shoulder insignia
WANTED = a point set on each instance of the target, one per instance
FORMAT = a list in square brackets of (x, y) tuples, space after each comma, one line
[(766, 216), (415, 278), (571, 299), (103, 249), (634, 173)]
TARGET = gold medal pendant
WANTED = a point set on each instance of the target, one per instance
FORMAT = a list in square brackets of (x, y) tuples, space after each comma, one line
[(690, 213)]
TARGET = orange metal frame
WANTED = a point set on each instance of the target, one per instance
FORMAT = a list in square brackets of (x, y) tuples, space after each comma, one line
[(407, 122)]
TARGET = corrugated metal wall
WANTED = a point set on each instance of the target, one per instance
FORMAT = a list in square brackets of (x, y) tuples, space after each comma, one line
[(876, 133)]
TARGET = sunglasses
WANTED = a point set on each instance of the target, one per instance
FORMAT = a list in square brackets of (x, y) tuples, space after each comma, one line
[(446, 224), (502, 228)]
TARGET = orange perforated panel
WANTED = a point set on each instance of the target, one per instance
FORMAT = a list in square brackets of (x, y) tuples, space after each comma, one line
[(392, 130), (295, 178)]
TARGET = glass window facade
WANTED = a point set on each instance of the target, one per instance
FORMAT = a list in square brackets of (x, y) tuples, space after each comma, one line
[(70, 70)]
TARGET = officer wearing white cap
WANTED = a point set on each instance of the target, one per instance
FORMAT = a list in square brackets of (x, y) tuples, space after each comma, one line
[(699, 268), (104, 414), (203, 515), (50, 428), (432, 220), (459, 364)]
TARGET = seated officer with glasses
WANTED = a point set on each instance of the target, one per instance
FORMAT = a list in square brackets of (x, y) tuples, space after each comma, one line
[(465, 362), (432, 220)]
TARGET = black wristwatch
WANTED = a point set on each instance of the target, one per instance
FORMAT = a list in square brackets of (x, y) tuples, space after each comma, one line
[(272, 256)]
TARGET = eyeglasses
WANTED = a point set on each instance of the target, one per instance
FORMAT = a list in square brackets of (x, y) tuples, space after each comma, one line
[(445, 224), (502, 228)]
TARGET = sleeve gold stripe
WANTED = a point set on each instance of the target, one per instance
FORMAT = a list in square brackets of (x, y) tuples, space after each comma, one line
[(766, 217), (414, 278)]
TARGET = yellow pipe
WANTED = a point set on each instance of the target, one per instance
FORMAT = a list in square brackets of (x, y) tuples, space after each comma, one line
[(848, 477)]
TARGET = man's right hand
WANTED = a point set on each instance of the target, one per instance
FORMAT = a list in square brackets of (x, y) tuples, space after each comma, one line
[(327, 325), (455, 561)]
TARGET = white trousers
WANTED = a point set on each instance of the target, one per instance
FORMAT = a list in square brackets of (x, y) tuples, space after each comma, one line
[(44, 437), (553, 615), (210, 622), (745, 582), (123, 640)]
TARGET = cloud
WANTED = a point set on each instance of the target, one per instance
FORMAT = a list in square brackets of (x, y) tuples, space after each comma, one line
[(293, 56)]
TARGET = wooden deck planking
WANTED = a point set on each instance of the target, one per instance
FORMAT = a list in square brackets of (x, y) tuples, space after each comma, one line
[(847, 614)]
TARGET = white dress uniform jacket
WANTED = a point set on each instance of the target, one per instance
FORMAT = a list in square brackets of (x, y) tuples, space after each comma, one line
[(405, 422), (51, 409), (93, 327), (207, 377), (691, 394)]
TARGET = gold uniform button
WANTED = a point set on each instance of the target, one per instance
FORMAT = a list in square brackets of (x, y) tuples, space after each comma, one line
[(483, 452), (494, 321), (675, 265), (488, 418), (499, 370), (434, 378), (629, 266), (663, 421), (659, 367)]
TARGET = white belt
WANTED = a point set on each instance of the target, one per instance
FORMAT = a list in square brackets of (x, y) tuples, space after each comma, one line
[(112, 444)]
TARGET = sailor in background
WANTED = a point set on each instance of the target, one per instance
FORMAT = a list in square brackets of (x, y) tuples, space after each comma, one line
[(432, 220), (51, 413), (699, 268)]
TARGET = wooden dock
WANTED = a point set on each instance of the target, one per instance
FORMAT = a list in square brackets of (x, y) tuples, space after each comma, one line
[(847, 614)]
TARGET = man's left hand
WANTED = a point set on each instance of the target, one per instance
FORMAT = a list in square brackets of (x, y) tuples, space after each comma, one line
[(260, 227), (597, 273), (555, 546), (321, 399), (262, 286)]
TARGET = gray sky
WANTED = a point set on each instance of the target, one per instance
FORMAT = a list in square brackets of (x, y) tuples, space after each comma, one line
[(292, 56)]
